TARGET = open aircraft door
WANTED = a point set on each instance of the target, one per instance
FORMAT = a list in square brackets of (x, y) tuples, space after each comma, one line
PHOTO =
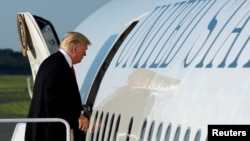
[(38, 39)]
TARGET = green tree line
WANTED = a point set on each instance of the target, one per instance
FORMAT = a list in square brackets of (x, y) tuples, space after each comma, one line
[(12, 62)]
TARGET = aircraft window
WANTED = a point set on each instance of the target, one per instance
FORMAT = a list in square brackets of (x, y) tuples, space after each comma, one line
[(151, 131), (117, 126), (94, 127), (111, 126), (143, 130), (105, 64), (158, 135), (51, 38), (177, 134), (105, 125), (168, 131), (129, 128), (98, 124), (187, 135), (198, 135)]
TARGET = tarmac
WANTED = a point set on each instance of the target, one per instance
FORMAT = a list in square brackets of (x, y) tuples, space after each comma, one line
[(7, 129)]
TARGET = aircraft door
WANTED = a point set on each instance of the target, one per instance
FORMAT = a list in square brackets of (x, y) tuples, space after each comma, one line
[(105, 64), (37, 37)]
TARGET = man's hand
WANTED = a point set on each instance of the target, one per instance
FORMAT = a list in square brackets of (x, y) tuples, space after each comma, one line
[(83, 123)]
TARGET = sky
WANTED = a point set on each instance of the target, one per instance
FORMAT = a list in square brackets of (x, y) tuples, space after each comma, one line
[(64, 15)]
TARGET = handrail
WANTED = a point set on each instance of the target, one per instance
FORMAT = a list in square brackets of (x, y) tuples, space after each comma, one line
[(22, 120), (29, 87)]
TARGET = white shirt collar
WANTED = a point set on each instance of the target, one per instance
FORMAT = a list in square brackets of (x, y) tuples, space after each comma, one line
[(66, 57)]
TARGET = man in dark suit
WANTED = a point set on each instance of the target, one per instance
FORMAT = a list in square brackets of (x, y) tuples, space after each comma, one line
[(56, 94)]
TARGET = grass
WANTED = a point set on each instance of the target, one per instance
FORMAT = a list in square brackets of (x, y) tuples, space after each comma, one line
[(14, 98), (12, 83), (15, 108)]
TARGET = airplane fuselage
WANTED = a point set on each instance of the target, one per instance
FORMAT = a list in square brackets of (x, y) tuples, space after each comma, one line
[(165, 70)]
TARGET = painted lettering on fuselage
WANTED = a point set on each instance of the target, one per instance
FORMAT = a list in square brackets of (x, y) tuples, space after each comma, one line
[(201, 33)]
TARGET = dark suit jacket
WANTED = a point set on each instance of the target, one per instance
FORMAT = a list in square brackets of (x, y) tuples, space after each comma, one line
[(55, 95)]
